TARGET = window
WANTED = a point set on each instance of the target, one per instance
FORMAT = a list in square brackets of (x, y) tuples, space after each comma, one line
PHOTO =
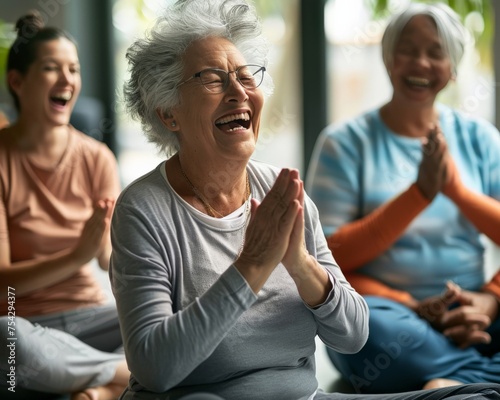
[(358, 79), (280, 134)]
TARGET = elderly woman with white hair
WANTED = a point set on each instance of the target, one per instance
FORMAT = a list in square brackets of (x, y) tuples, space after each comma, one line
[(220, 269), (404, 194)]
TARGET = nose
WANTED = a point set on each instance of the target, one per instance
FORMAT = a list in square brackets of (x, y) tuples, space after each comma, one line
[(422, 59), (66, 76), (235, 91)]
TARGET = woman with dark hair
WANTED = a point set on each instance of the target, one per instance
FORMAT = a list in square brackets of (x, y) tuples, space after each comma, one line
[(57, 192)]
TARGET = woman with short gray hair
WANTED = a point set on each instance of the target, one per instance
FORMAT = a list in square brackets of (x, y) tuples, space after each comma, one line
[(417, 183)]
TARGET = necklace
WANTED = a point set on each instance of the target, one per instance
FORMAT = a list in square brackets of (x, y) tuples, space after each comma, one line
[(211, 211)]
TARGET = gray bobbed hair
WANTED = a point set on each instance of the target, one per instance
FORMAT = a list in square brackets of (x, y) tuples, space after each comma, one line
[(450, 30), (156, 65)]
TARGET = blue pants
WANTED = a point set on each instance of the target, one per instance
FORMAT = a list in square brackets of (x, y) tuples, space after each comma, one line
[(404, 352)]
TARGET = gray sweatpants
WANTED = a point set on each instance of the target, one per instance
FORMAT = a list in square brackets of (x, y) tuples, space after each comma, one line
[(474, 391), (58, 353)]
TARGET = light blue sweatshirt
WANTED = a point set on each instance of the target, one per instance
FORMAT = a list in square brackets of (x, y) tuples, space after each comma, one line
[(361, 164)]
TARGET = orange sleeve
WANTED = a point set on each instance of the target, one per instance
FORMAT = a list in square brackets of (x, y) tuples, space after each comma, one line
[(493, 286), (483, 211), (358, 242), (365, 285)]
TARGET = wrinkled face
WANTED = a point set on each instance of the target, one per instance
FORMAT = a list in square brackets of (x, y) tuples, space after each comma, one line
[(421, 67), (49, 89), (216, 125)]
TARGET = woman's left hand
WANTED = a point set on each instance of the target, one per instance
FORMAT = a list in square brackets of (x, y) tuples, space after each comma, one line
[(311, 279), (296, 255), (268, 234), (467, 323), (432, 169)]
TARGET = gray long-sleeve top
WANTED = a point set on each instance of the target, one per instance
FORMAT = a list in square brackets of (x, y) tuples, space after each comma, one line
[(189, 320)]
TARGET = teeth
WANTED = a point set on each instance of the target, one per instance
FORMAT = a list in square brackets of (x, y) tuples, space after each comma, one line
[(229, 118), (238, 128), (63, 96), (418, 81)]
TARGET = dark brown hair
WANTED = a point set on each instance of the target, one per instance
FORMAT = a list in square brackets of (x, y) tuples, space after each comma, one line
[(31, 31)]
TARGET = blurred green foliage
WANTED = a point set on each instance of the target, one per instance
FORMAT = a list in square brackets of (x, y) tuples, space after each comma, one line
[(6, 38), (477, 15), (469, 11)]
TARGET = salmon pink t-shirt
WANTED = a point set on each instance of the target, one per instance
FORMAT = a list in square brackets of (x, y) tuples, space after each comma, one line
[(43, 212)]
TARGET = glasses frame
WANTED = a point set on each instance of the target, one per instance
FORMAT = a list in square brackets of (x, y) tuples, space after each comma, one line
[(226, 81)]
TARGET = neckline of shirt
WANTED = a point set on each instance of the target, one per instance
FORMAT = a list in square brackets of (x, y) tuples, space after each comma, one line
[(234, 220)]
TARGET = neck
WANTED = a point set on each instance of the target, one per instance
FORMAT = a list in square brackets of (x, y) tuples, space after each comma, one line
[(409, 121), (217, 192), (44, 148), (38, 137)]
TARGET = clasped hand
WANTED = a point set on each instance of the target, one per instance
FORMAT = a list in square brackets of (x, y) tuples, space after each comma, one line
[(460, 314), (432, 172), (94, 237), (276, 233), (276, 230)]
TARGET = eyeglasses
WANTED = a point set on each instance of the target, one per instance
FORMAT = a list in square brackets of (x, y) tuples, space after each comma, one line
[(216, 80)]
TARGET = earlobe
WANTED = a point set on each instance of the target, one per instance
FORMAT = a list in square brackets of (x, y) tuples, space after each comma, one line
[(14, 80), (168, 120), (453, 74)]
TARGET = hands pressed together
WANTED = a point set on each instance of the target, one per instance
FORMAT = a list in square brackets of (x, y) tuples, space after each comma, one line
[(461, 315), (437, 170), (276, 234), (472, 312), (94, 239)]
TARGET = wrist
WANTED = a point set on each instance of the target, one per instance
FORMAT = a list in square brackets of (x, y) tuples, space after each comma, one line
[(312, 281), (452, 188), (427, 195), (495, 301), (103, 259), (78, 257)]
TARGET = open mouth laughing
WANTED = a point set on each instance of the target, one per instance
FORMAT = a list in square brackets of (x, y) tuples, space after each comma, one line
[(61, 98), (234, 122), (418, 82)]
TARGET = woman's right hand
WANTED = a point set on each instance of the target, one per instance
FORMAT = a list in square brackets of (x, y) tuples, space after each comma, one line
[(432, 172), (94, 232)]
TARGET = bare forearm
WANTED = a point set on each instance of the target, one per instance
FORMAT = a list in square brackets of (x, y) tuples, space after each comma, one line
[(255, 275), (104, 257), (312, 281), (31, 275)]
